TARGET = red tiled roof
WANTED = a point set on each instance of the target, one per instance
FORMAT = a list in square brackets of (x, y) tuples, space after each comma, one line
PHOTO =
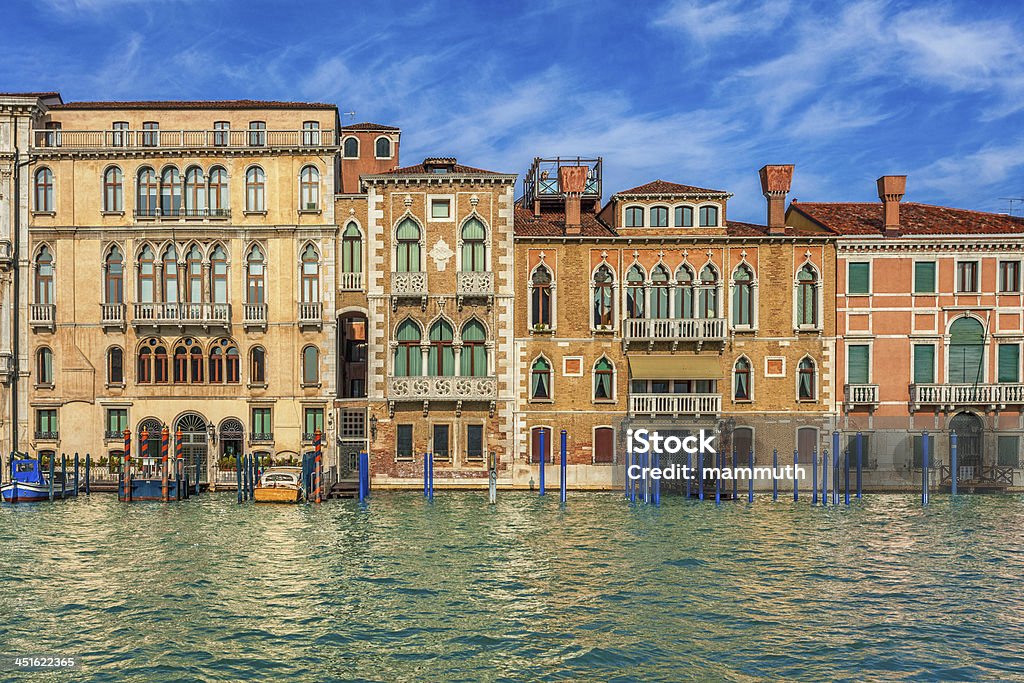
[(30, 94), (665, 187), (866, 218), (457, 169), (196, 104), (742, 229), (368, 126), (551, 223)]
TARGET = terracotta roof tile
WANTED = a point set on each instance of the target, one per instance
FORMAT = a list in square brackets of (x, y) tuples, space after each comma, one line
[(667, 188), (457, 169), (196, 104), (551, 223), (369, 126), (866, 218)]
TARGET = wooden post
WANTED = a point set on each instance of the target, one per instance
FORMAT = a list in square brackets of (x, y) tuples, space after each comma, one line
[(179, 467), (165, 437), (76, 474), (88, 463), (319, 468), (63, 476), (126, 466)]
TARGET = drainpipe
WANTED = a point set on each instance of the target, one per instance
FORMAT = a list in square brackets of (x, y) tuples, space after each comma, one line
[(15, 304)]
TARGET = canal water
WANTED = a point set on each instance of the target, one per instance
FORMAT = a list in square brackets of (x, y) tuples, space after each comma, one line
[(456, 590)]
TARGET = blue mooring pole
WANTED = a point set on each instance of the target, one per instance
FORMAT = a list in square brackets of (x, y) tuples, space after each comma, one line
[(860, 462), (63, 476), (735, 484), (835, 467), (238, 476), (77, 483), (846, 485), (645, 459), (53, 463), (700, 476), (750, 479), (952, 463), (689, 472), (430, 485), (924, 469), (88, 466), (562, 468), (719, 461), (814, 476), (657, 480), (775, 477), (826, 472), (631, 458), (543, 457), (426, 473), (796, 479)]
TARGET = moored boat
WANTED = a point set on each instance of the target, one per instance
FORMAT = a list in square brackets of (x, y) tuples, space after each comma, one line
[(279, 485), (28, 483)]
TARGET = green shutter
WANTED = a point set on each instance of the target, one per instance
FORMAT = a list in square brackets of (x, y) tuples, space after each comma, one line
[(924, 364), (965, 364), (859, 278), (924, 277), (1009, 453), (857, 364), (1009, 355)]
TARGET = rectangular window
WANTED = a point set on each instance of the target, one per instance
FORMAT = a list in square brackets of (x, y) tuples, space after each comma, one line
[(1009, 363), (314, 421), (924, 277), (474, 442), (1008, 449), (261, 426), (851, 448), (859, 278), (604, 445), (310, 133), (440, 208), (118, 133), (257, 133), (967, 277), (1009, 277), (919, 451), (46, 422), (924, 364), (117, 421), (857, 364), (220, 133), (404, 442), (440, 442), (150, 134)]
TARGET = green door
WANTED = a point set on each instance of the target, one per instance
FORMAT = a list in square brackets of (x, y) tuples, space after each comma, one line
[(966, 351)]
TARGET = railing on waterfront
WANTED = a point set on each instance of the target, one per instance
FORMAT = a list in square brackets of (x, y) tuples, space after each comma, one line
[(675, 404), (998, 474), (448, 388), (674, 329), (352, 282), (95, 140), (182, 314), (952, 395), (860, 394)]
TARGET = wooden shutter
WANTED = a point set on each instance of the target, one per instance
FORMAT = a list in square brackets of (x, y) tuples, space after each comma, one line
[(858, 357), (604, 445), (1009, 355), (924, 277), (924, 364), (859, 278)]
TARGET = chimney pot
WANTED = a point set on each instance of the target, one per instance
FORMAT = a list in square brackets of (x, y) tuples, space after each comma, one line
[(572, 180), (891, 189), (776, 180)]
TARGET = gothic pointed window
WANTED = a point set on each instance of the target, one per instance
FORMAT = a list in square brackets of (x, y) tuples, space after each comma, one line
[(604, 297), (408, 358), (635, 292), (408, 250), (604, 380), (441, 356), (741, 382), (661, 293), (683, 305), (540, 297), (807, 297), (743, 297), (473, 246), (540, 379), (474, 350), (708, 292), (310, 285)]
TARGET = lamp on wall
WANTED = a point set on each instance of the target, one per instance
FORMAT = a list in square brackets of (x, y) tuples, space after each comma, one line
[(212, 430), (373, 427)]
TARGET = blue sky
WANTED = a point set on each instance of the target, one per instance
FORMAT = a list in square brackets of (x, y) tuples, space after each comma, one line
[(702, 93)]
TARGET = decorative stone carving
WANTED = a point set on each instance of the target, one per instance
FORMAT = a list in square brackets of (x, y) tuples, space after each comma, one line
[(442, 388), (441, 253)]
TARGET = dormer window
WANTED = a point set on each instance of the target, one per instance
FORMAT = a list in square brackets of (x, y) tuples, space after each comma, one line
[(659, 217), (439, 164)]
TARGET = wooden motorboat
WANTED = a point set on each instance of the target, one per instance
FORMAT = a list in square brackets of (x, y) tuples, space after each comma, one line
[(279, 485)]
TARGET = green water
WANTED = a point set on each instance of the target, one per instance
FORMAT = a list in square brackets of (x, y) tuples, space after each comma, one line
[(403, 590)]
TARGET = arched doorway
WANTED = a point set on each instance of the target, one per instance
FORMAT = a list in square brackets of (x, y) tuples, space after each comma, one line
[(969, 441), (152, 427), (966, 351), (232, 434), (193, 443)]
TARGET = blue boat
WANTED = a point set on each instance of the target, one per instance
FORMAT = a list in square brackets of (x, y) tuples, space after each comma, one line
[(29, 485)]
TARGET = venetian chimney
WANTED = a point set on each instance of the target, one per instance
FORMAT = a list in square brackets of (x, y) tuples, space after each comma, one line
[(572, 180), (890, 190), (775, 183)]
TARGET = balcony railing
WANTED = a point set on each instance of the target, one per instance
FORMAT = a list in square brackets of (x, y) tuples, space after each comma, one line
[(182, 314), (112, 315), (953, 395), (409, 284), (6, 254), (352, 282), (157, 212), (6, 366), (861, 394), (673, 329), (471, 284), (113, 434), (311, 313), (259, 437), (47, 436), (255, 315), (42, 315), (675, 404), (93, 140), (446, 388)]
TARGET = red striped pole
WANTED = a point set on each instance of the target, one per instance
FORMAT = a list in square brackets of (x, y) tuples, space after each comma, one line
[(165, 436), (179, 459), (126, 464), (318, 447)]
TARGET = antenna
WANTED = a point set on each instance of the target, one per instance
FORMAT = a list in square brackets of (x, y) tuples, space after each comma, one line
[(352, 115), (1013, 202)]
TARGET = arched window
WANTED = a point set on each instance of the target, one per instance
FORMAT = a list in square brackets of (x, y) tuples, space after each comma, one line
[(258, 365), (195, 192), (540, 297), (540, 379), (255, 189), (741, 381), (382, 148), (219, 275), (806, 381), (683, 305), (408, 358), (659, 217), (635, 217), (408, 255), (309, 188), (966, 351), (807, 297), (44, 276), (604, 296), (180, 374), (441, 357), (113, 189), (147, 275), (113, 275), (115, 365), (351, 250), (218, 194), (255, 274), (195, 362), (170, 260), (743, 297), (310, 290), (707, 304), (310, 365), (474, 350), (146, 191), (709, 216), (232, 366), (144, 372), (44, 190), (44, 366), (604, 380), (160, 365), (473, 241), (170, 192), (351, 148), (216, 364), (661, 293), (635, 292), (194, 275), (684, 217)]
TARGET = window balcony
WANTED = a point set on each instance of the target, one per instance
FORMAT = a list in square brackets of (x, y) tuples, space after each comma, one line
[(674, 330), (675, 404), (351, 282), (6, 255), (162, 139), (260, 437), (113, 435), (112, 316), (952, 396), (311, 314), (861, 395), (182, 314), (446, 388), (255, 316), (42, 316), (473, 285), (46, 436), (157, 213), (409, 286), (7, 370)]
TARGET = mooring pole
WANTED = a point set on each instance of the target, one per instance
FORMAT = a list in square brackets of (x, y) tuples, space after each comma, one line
[(814, 476), (924, 469), (647, 476), (700, 476), (846, 466), (543, 456), (179, 465), (318, 464), (826, 472), (657, 479), (77, 483), (143, 447), (362, 477), (426, 473), (165, 444), (430, 490), (238, 477), (735, 483), (719, 461), (860, 462), (775, 474), (689, 472), (796, 479), (750, 479), (630, 481), (63, 476), (492, 477), (952, 463), (53, 464), (562, 468), (88, 463), (835, 467), (126, 465)]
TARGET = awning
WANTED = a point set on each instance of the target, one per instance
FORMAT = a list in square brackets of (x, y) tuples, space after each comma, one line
[(675, 367)]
